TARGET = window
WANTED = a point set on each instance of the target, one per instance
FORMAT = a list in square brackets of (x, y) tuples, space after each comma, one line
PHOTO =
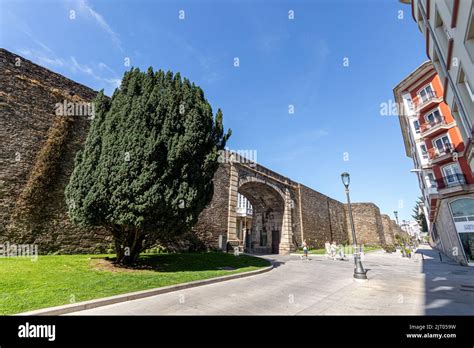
[(434, 117), (441, 32), (462, 211), (469, 88), (424, 151), (466, 84), (416, 125), (469, 44), (460, 122), (426, 94), (430, 180), (453, 175), (438, 66), (443, 144), (407, 102)]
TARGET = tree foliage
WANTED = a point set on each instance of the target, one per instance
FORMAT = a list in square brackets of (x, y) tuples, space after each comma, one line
[(146, 170), (419, 215)]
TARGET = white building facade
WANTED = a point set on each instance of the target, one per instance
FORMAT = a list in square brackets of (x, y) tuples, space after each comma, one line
[(448, 29)]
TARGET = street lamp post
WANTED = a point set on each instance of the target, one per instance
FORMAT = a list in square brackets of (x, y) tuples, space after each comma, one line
[(359, 271), (396, 216), (403, 226)]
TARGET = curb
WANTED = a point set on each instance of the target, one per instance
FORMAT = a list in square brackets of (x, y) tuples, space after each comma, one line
[(80, 306), (323, 255), (309, 254)]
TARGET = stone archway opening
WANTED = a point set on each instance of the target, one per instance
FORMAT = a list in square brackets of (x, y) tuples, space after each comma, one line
[(260, 227)]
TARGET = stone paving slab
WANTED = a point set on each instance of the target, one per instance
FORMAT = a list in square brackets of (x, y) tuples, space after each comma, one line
[(396, 286)]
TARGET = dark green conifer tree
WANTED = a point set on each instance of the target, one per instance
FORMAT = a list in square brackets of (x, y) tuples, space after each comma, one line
[(146, 169), (419, 215)]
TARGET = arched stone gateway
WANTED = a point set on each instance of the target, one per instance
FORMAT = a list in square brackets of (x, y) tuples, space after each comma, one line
[(274, 219), (270, 227), (282, 215)]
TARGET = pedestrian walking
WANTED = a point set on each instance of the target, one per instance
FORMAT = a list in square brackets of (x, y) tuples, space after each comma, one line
[(327, 246), (305, 249), (333, 250)]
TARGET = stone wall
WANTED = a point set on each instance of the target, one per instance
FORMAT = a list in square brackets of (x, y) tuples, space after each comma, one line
[(339, 227), (387, 229), (213, 219), (367, 223), (323, 218), (28, 95), (397, 230)]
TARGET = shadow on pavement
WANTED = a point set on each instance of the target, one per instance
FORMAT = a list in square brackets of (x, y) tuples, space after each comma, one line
[(449, 287)]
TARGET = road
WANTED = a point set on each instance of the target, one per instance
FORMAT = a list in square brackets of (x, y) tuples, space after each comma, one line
[(396, 286)]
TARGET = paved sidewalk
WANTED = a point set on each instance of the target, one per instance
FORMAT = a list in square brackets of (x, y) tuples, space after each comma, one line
[(396, 286)]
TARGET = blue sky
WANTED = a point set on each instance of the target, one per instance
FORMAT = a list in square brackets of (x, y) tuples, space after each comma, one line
[(283, 62)]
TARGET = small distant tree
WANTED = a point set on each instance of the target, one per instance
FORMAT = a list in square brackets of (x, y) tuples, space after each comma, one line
[(146, 170), (419, 215)]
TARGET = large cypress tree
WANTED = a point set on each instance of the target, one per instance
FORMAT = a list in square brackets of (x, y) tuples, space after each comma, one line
[(146, 170), (419, 215)]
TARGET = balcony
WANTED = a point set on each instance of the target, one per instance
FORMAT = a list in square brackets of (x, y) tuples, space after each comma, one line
[(437, 155), (432, 190), (433, 127), (243, 211), (425, 161), (452, 183), (430, 97)]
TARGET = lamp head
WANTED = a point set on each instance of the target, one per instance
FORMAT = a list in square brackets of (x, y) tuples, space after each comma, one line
[(346, 179)]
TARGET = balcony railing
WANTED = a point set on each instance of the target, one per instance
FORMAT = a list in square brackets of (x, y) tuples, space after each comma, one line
[(438, 121), (244, 211), (434, 152), (419, 102), (432, 189), (451, 180)]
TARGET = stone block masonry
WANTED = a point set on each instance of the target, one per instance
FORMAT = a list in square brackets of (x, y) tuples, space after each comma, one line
[(28, 130), (323, 219), (387, 229), (213, 220), (367, 224)]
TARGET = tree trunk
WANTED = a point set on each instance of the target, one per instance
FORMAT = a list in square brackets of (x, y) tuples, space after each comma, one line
[(128, 245)]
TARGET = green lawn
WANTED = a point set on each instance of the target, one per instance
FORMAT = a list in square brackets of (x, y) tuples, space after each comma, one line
[(61, 279), (367, 249)]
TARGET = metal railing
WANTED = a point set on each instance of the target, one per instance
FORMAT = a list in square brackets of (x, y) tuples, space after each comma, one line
[(244, 211), (452, 180), (434, 152), (424, 127), (419, 102)]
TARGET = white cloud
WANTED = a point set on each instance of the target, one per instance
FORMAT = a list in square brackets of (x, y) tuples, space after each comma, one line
[(43, 55), (85, 8), (75, 66), (41, 58), (104, 66)]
